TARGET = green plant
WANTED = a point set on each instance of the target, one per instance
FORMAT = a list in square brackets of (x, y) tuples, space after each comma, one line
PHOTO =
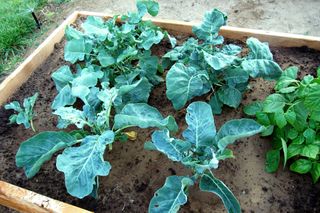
[(205, 64), (23, 115), (111, 52), (201, 150), (291, 116), (114, 73), (82, 164)]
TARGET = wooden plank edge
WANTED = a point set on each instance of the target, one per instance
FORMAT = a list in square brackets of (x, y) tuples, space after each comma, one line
[(26, 68), (24, 200), (237, 33)]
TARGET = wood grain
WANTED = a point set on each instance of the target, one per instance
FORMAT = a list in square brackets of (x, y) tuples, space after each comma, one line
[(28, 201)]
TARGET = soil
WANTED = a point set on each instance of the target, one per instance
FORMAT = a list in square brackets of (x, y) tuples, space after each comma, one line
[(136, 173)]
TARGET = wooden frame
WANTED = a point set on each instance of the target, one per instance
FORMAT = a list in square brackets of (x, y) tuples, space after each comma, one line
[(27, 201)]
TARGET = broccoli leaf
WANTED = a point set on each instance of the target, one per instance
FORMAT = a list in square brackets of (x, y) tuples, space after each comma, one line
[(171, 195), (183, 83), (81, 165), (201, 128), (35, 151), (236, 129), (209, 183), (210, 26), (143, 116), (173, 148), (24, 114), (77, 49), (150, 6)]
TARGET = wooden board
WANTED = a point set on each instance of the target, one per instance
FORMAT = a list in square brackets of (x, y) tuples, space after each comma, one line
[(26, 201)]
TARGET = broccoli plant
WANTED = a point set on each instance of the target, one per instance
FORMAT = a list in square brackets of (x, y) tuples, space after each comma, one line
[(24, 115), (113, 78), (204, 63), (84, 163), (117, 53), (201, 150), (291, 116)]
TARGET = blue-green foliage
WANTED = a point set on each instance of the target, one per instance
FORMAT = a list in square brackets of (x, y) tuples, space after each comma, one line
[(23, 114), (115, 71), (205, 62), (201, 149)]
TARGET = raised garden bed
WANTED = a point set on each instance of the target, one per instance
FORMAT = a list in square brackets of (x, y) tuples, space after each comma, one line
[(137, 173)]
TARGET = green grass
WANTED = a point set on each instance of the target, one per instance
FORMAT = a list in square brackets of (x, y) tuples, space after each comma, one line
[(17, 30)]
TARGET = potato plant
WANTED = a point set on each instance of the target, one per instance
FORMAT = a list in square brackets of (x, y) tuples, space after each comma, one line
[(291, 116), (201, 149), (205, 63)]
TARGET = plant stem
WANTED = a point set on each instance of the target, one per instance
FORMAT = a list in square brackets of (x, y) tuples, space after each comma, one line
[(32, 126)]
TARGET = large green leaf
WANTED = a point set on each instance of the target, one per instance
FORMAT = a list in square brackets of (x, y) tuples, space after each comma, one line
[(211, 25), (171, 195), (137, 92), (70, 115), (35, 151), (183, 83), (62, 77), (231, 49), (201, 128), (274, 103), (72, 33), (287, 77), (95, 26), (77, 49), (143, 116), (253, 108), (235, 75), (86, 79), (301, 166), (312, 100), (230, 96), (216, 105), (81, 165), (149, 38), (264, 68), (272, 161), (63, 98), (209, 183), (173, 148), (149, 67), (105, 58), (150, 6), (219, 60), (315, 172), (258, 50), (236, 129)]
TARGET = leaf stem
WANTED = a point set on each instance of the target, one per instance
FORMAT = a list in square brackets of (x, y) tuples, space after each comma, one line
[(32, 126)]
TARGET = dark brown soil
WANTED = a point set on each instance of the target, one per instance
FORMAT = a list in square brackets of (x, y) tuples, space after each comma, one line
[(136, 173)]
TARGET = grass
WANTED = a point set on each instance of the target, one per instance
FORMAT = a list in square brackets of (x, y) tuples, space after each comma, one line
[(18, 30)]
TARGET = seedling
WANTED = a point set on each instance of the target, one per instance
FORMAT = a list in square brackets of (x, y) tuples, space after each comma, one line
[(23, 115), (205, 63), (291, 116), (201, 150)]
